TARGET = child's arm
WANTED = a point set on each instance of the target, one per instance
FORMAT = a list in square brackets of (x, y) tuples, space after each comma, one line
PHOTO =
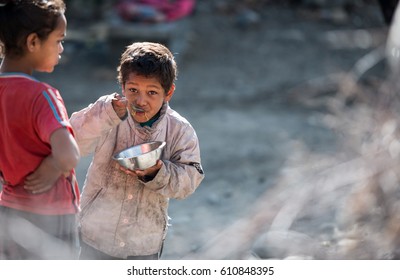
[(63, 158), (92, 122), (179, 176)]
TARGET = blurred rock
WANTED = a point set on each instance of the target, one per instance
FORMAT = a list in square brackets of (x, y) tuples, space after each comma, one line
[(284, 244), (247, 18)]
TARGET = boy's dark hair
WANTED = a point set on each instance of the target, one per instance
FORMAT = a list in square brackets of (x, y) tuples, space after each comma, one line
[(150, 60), (19, 18)]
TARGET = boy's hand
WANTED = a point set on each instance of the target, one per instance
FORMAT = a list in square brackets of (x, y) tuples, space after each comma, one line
[(146, 174), (64, 157), (43, 178), (119, 104)]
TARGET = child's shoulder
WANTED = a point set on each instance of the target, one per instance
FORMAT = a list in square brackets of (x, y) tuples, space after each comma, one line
[(26, 81), (179, 123), (177, 117), (31, 88)]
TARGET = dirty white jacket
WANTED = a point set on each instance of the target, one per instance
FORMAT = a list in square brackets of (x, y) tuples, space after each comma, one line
[(121, 215)]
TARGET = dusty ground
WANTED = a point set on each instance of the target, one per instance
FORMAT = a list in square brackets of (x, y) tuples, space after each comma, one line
[(235, 88)]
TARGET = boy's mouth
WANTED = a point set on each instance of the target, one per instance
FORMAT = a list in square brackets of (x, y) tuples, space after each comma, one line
[(137, 109), (140, 111)]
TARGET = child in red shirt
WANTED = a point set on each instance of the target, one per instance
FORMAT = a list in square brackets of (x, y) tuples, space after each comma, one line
[(38, 152)]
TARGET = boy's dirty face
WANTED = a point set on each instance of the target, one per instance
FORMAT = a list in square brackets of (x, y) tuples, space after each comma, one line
[(145, 96)]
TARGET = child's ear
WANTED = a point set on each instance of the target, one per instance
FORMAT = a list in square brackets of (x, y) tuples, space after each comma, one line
[(32, 41), (169, 94)]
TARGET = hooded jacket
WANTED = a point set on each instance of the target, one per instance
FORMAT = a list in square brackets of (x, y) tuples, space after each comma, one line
[(121, 215)]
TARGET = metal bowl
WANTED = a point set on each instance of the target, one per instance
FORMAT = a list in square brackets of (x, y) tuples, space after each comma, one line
[(140, 156)]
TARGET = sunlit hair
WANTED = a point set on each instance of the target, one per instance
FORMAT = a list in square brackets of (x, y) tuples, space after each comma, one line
[(19, 18), (150, 60)]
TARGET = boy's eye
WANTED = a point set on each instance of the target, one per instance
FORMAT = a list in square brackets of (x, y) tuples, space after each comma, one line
[(152, 93), (132, 90)]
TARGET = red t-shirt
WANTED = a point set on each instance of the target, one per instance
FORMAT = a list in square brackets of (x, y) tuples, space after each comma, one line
[(30, 111)]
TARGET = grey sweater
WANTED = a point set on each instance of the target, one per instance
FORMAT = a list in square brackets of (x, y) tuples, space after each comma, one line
[(120, 214)]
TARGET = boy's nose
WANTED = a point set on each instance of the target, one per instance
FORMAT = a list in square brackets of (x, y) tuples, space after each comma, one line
[(140, 100)]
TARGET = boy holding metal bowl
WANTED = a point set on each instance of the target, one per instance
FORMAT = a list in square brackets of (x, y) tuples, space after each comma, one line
[(124, 212)]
